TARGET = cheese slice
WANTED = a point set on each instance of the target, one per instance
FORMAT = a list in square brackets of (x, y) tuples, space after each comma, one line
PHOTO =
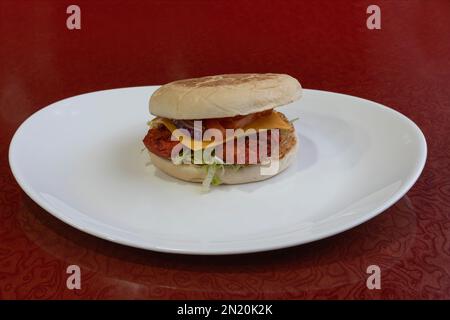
[(271, 121)]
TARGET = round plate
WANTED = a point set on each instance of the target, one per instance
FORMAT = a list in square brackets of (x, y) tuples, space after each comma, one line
[(82, 160)]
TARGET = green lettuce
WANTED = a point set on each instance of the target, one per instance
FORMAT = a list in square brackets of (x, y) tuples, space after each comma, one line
[(212, 170)]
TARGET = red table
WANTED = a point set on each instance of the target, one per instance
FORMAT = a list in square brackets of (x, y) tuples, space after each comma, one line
[(325, 44)]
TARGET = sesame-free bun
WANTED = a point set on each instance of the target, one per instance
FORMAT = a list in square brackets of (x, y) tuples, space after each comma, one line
[(196, 173), (224, 95)]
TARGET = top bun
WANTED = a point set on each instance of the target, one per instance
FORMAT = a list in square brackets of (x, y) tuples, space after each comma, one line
[(226, 95)]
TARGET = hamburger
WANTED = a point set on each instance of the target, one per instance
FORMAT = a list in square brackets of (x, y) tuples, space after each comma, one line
[(236, 108)]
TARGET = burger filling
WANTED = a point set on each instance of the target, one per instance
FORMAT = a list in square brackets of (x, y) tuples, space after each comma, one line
[(159, 138)]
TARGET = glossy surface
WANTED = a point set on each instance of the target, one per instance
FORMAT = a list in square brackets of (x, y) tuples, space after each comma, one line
[(356, 159), (323, 43)]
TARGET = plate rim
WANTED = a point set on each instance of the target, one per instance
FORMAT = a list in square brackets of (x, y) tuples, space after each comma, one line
[(406, 186)]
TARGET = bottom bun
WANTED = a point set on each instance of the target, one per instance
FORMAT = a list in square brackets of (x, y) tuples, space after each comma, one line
[(196, 173)]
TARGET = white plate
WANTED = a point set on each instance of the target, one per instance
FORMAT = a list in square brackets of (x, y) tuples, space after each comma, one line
[(80, 159)]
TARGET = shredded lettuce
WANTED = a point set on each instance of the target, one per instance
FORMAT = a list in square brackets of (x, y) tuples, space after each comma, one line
[(216, 181), (211, 177), (293, 120), (182, 158), (212, 170), (210, 174)]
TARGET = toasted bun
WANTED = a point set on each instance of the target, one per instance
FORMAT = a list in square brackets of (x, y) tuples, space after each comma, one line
[(196, 173), (225, 95)]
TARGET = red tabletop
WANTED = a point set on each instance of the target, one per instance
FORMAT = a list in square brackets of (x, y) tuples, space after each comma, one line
[(325, 44)]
